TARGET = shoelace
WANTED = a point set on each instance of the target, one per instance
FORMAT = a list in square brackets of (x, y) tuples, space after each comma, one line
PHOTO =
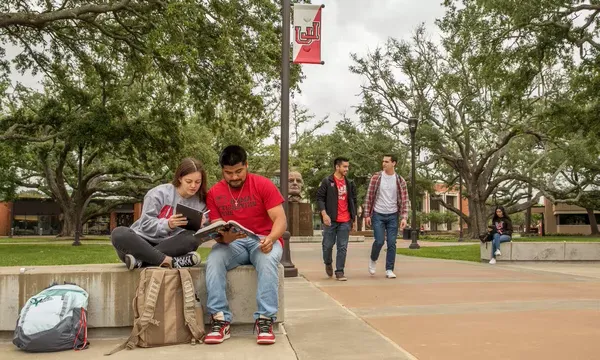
[(182, 261), (264, 325), (217, 325)]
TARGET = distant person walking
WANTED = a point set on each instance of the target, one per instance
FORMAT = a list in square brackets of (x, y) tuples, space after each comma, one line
[(386, 202), (336, 198)]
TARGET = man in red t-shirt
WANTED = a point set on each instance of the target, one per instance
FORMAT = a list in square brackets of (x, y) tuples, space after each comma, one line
[(254, 202), (336, 198)]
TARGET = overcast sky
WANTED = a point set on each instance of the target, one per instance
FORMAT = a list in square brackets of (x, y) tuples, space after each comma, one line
[(353, 26)]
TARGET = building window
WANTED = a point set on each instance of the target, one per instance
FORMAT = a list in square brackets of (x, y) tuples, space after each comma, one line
[(573, 219), (99, 225), (28, 224), (124, 219)]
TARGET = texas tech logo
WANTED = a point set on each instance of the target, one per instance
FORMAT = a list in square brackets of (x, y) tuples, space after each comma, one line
[(312, 33)]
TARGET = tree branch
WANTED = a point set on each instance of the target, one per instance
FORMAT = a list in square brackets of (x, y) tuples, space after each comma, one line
[(439, 198), (40, 20)]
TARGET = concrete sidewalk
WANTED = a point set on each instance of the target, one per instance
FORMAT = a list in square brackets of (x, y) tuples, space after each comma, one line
[(316, 327), (444, 309)]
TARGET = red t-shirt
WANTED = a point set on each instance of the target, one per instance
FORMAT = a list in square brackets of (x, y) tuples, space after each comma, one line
[(343, 214), (257, 196)]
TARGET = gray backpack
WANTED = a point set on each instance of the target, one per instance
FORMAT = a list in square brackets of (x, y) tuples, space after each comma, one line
[(53, 320)]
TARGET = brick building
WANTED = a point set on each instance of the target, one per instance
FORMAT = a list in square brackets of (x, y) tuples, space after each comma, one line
[(33, 215)]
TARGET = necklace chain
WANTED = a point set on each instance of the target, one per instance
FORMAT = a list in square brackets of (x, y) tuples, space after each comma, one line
[(240, 194)]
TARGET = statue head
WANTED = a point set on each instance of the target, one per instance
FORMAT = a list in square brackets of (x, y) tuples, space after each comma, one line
[(295, 184)]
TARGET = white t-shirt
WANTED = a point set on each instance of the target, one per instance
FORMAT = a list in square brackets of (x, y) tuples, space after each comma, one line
[(387, 198)]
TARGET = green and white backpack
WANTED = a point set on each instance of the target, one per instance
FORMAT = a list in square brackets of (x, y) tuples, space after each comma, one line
[(53, 320)]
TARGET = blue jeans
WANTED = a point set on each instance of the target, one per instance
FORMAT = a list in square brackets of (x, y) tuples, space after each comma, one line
[(338, 233), (223, 258), (387, 223), (496, 242)]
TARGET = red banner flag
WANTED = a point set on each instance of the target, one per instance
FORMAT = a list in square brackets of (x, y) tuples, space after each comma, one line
[(307, 34)]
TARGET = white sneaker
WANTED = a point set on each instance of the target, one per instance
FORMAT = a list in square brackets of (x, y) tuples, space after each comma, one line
[(498, 253), (493, 261), (390, 274), (372, 265)]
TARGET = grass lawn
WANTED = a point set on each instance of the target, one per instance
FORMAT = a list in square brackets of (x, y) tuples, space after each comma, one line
[(63, 254), (451, 238), (443, 238), (465, 252), (50, 239)]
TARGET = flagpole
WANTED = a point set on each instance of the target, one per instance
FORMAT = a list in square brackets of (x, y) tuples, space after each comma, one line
[(286, 260)]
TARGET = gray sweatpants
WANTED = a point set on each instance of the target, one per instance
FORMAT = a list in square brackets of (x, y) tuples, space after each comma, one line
[(126, 241)]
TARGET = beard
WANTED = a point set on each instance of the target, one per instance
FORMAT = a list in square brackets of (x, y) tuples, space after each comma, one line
[(236, 184)]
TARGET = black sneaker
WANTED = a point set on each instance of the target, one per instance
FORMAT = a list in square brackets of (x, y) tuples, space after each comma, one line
[(329, 270), (188, 260), (132, 263)]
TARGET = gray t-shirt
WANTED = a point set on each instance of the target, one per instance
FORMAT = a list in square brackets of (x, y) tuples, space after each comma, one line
[(159, 204), (387, 197)]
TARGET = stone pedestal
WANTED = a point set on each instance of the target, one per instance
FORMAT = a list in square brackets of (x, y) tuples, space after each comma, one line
[(300, 219)]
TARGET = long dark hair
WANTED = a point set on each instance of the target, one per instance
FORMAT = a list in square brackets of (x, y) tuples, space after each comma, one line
[(505, 217), (187, 166)]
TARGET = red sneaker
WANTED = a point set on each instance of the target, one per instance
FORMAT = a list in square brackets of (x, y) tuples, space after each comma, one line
[(264, 328), (220, 332)]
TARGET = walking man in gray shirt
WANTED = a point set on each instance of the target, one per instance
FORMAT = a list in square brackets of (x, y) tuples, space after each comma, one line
[(385, 204)]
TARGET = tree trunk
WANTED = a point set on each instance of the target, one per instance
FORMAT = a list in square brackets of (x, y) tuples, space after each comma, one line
[(68, 224), (70, 214), (478, 215), (593, 223)]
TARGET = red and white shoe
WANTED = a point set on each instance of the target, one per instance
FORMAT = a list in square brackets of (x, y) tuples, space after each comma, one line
[(220, 331), (264, 328)]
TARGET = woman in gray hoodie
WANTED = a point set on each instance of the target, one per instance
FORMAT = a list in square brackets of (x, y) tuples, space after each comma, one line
[(157, 237)]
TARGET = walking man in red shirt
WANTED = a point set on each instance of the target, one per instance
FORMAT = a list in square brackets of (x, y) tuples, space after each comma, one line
[(336, 198), (255, 203)]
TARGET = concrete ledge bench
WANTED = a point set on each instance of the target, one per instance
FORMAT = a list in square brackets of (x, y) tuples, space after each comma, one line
[(319, 239), (111, 288), (543, 251)]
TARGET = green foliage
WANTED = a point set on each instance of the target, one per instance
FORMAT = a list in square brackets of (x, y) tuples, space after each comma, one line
[(518, 219), (436, 217), (8, 175), (479, 95), (450, 217), (212, 56), (131, 88)]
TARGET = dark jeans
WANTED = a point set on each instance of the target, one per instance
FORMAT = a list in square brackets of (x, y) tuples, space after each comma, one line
[(337, 233), (126, 241), (387, 223), (496, 242)]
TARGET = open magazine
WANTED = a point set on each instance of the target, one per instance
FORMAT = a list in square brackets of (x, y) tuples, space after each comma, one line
[(211, 232)]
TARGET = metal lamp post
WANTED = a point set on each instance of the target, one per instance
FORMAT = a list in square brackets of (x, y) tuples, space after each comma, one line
[(76, 241), (289, 269), (412, 126), (460, 186)]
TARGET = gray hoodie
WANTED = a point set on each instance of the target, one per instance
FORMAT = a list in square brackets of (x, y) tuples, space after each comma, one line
[(159, 206)]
